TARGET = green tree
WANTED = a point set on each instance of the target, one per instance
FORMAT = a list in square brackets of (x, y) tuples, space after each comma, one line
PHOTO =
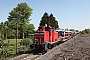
[(53, 22), (20, 16), (76, 30), (72, 30), (50, 20), (31, 29), (44, 19), (1, 33), (5, 29), (26, 41), (87, 31), (2, 30)]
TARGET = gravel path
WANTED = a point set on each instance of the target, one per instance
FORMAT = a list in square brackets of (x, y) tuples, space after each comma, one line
[(77, 48), (26, 57)]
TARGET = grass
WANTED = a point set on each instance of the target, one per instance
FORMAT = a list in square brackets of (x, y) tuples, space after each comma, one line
[(12, 41), (10, 50)]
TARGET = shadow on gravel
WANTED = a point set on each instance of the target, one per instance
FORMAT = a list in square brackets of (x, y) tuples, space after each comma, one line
[(34, 52)]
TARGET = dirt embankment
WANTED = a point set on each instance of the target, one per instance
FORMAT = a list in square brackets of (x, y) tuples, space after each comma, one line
[(77, 48)]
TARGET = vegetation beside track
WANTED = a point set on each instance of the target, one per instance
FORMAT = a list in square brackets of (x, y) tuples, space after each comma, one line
[(8, 48)]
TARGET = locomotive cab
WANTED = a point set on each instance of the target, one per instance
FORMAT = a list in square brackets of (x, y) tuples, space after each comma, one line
[(42, 35)]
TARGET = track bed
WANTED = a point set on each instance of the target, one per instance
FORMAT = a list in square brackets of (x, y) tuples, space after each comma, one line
[(77, 48)]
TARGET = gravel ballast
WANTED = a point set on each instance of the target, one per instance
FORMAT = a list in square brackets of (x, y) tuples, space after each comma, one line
[(77, 48)]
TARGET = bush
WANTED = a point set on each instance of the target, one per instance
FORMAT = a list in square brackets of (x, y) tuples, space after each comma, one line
[(1, 43), (26, 41), (86, 31), (5, 44), (11, 44)]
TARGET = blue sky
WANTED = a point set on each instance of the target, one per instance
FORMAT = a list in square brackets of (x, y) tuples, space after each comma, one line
[(69, 13)]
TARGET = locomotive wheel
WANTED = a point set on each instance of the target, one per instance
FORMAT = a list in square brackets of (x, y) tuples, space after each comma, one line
[(54, 44), (42, 48), (58, 43)]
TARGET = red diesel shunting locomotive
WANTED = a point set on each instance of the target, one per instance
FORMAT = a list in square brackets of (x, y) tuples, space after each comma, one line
[(46, 38)]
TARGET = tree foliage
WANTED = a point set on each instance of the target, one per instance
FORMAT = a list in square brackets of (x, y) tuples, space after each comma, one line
[(86, 31), (19, 15), (26, 41), (1, 30), (72, 30), (50, 20)]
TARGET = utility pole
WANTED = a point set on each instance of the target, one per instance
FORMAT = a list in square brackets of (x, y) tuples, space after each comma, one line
[(16, 36)]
